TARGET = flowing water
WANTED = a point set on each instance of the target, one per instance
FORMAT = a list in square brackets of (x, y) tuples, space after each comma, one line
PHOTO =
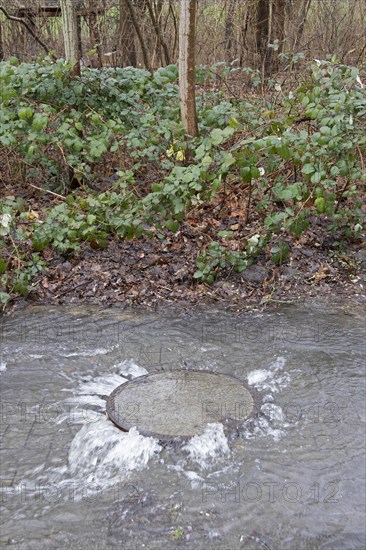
[(292, 477)]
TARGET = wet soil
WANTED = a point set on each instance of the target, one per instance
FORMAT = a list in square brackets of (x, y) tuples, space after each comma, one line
[(158, 270)]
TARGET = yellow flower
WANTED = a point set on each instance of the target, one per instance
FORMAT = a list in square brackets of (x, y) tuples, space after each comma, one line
[(170, 151), (180, 155)]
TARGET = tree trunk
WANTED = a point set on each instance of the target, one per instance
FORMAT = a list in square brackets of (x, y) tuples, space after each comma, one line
[(126, 36), (243, 35), (270, 27), (304, 13), (229, 29), (78, 28), (160, 40), (135, 22), (95, 37), (187, 90), (1, 42), (69, 27), (278, 23), (261, 34)]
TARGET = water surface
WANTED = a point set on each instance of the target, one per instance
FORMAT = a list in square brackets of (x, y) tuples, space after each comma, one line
[(291, 478)]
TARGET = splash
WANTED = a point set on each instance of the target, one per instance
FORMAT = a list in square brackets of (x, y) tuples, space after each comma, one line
[(101, 385), (270, 379), (262, 428), (130, 369), (271, 423), (89, 353), (100, 452), (212, 445)]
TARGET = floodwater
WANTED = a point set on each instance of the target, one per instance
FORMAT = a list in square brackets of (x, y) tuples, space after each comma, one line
[(292, 477)]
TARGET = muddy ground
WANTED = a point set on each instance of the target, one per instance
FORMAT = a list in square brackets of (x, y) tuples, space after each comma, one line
[(156, 273)]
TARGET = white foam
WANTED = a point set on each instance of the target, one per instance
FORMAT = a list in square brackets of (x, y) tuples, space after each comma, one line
[(195, 479), (3, 366), (205, 449), (92, 392), (262, 428), (101, 385), (256, 377), (89, 353), (270, 379), (81, 400), (77, 410), (130, 368), (100, 451), (213, 534), (274, 412), (79, 416)]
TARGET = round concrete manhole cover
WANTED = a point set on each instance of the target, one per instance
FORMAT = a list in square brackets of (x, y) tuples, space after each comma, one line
[(174, 404)]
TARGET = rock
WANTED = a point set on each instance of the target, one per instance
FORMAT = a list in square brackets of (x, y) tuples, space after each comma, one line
[(307, 252), (361, 257), (173, 268), (181, 274), (290, 273), (255, 274), (226, 288)]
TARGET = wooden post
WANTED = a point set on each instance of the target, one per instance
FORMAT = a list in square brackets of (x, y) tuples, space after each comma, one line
[(187, 92)]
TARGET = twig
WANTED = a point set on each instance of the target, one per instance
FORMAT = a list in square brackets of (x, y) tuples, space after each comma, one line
[(289, 301), (226, 84), (48, 191), (71, 289), (361, 157), (247, 213)]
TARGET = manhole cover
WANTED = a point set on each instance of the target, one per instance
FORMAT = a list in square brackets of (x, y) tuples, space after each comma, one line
[(179, 403)]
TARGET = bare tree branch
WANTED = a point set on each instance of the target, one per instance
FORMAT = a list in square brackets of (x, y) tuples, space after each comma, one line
[(139, 34), (157, 30), (29, 29)]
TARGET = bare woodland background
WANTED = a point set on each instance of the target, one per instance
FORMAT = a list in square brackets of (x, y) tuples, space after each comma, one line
[(144, 33)]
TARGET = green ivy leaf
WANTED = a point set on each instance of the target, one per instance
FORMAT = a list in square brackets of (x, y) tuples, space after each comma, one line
[(4, 297), (172, 225), (217, 136), (39, 122), (284, 152), (325, 130), (25, 112), (279, 253), (233, 123), (298, 227), (316, 178), (3, 266), (226, 234), (320, 205), (246, 174), (308, 169)]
